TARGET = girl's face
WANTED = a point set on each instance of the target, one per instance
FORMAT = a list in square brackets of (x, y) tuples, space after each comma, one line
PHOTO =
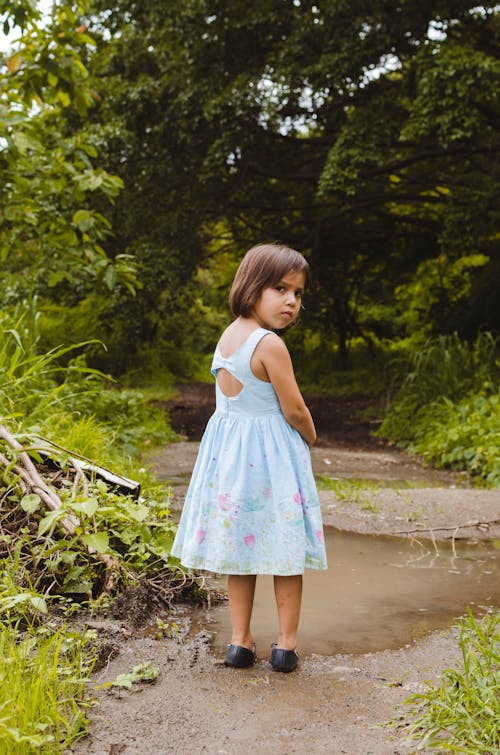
[(279, 305)]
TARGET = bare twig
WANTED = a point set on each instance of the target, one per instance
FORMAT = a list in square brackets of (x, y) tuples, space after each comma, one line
[(29, 478), (477, 524)]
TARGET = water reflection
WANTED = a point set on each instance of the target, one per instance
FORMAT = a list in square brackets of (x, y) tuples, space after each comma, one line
[(378, 593)]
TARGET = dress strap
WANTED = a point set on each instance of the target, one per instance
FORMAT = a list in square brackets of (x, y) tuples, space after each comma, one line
[(244, 357)]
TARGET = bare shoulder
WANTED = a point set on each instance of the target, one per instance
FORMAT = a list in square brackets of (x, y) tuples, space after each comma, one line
[(271, 343), (272, 348)]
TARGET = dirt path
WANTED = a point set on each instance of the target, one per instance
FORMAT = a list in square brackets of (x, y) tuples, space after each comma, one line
[(331, 704)]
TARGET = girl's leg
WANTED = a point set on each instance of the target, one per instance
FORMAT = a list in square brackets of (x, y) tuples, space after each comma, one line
[(288, 592), (241, 591)]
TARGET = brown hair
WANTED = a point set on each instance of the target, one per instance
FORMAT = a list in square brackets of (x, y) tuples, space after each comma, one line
[(262, 266)]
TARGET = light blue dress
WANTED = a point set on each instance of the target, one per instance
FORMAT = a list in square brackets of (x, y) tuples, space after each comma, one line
[(252, 505)]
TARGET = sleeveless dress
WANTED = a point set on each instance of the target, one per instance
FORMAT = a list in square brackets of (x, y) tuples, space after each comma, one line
[(252, 505)]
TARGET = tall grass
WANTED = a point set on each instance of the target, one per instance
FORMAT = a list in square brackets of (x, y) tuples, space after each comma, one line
[(446, 367), (462, 712), (43, 669), (42, 687), (448, 406), (31, 384)]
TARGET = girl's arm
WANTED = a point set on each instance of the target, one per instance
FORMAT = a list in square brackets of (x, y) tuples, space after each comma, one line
[(271, 361)]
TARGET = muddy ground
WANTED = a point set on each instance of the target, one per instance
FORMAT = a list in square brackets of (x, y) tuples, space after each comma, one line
[(331, 704)]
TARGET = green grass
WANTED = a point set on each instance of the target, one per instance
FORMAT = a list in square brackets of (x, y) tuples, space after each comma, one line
[(350, 490), (462, 712), (42, 689), (448, 406)]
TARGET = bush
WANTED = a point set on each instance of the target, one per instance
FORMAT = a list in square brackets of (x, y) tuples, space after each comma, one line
[(448, 406), (465, 435)]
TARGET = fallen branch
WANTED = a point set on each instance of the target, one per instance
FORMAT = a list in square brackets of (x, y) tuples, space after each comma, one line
[(30, 480), (477, 524)]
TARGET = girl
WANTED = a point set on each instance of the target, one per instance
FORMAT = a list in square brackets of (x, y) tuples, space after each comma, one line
[(252, 506)]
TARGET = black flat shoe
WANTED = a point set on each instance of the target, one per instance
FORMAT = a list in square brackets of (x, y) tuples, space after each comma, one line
[(239, 657), (283, 660)]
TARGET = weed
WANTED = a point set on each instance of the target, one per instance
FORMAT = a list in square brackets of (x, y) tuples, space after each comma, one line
[(166, 629), (143, 672), (462, 712), (351, 490), (42, 690), (448, 408)]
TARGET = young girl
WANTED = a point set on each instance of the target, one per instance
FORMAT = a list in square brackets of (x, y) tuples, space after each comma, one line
[(252, 506)]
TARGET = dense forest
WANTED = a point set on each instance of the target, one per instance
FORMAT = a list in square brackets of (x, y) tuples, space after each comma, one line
[(145, 148)]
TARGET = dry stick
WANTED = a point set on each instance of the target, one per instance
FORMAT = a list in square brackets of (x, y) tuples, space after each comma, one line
[(484, 525), (35, 482), (79, 476)]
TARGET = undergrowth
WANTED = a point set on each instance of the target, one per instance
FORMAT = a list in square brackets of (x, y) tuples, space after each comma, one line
[(69, 534), (448, 406), (461, 713), (43, 677)]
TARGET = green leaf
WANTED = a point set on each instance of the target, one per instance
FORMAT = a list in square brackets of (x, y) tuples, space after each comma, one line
[(88, 507), (78, 587), (49, 520), (64, 98), (21, 141), (83, 219), (110, 277), (136, 511), (143, 672), (30, 503), (38, 603), (99, 541)]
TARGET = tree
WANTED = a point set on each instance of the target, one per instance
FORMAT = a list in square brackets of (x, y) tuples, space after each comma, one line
[(354, 132), (51, 234)]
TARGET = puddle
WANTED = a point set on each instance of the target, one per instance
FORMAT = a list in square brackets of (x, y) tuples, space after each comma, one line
[(378, 593)]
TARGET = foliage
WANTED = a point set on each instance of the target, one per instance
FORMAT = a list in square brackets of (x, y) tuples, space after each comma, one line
[(438, 287), (143, 672), (43, 676), (353, 133), (465, 435), (51, 231), (462, 712), (73, 406), (448, 405)]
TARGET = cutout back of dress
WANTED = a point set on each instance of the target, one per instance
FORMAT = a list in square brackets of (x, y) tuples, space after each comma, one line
[(228, 384), (256, 396)]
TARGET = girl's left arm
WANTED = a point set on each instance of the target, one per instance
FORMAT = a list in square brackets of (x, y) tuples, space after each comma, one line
[(275, 359)]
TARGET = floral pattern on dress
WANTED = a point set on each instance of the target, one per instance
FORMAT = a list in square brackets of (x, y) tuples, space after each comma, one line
[(252, 506)]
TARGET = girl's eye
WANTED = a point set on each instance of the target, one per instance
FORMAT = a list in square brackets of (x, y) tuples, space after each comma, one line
[(298, 294), (280, 288)]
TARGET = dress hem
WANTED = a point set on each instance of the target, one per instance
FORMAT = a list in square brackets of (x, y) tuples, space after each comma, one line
[(263, 570)]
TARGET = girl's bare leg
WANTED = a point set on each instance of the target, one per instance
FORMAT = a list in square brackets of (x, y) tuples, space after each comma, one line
[(288, 592), (241, 591)]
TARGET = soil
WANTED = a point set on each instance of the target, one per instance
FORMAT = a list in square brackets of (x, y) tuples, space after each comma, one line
[(331, 704)]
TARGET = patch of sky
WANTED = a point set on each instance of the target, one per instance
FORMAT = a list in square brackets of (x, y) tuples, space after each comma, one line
[(274, 96), (6, 40)]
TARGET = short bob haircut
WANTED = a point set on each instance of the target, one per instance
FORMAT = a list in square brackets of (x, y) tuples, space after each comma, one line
[(262, 266)]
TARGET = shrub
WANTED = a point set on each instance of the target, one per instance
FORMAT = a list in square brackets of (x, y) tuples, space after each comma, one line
[(448, 406)]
